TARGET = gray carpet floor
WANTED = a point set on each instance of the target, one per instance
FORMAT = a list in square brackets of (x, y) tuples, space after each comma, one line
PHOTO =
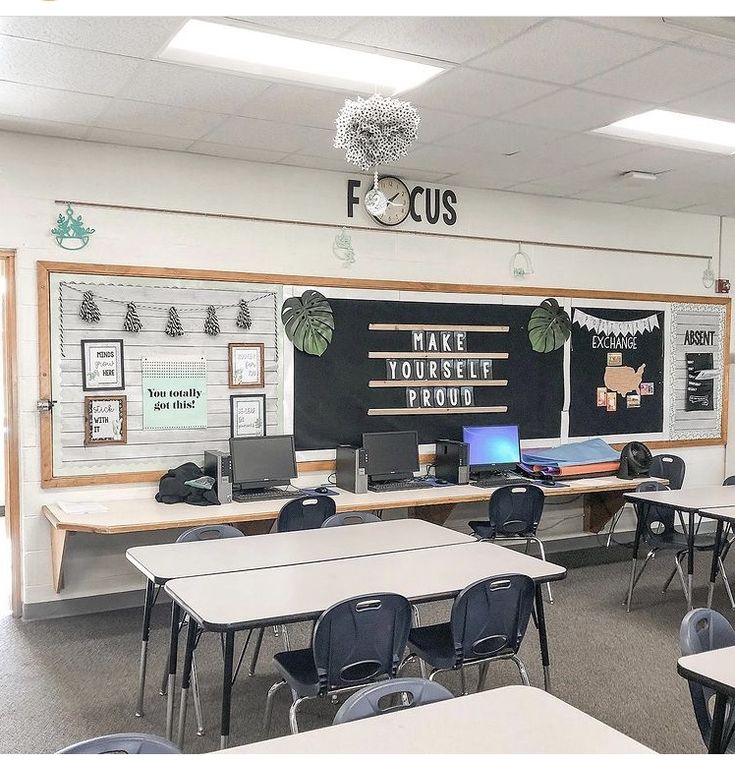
[(65, 680)]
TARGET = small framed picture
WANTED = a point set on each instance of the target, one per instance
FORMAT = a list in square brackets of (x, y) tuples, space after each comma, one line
[(614, 359), (103, 367), (601, 396), (612, 402), (105, 420), (246, 365), (247, 415)]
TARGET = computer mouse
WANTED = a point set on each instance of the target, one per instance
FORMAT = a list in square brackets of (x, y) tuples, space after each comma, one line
[(321, 490)]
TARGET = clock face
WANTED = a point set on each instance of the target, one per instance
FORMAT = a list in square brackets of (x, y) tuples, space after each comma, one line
[(399, 199)]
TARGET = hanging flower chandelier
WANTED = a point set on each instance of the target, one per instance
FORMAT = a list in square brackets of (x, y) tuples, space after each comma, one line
[(376, 131)]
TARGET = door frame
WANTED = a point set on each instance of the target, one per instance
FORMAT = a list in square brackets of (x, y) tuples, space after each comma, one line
[(11, 437)]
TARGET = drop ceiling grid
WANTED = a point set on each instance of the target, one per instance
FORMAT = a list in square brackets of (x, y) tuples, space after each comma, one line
[(531, 88)]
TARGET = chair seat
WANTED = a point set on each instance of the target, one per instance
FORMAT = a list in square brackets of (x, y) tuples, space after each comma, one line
[(487, 531), (297, 668), (679, 542), (433, 644)]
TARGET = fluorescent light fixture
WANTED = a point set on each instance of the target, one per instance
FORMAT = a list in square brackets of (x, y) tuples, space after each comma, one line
[(274, 56), (670, 128)]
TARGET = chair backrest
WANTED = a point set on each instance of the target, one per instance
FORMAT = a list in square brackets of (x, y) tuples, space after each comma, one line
[(390, 696), (489, 617), (658, 527), (670, 467), (349, 518), (123, 743), (729, 481), (703, 630), (308, 512), (516, 509), (209, 532), (360, 639)]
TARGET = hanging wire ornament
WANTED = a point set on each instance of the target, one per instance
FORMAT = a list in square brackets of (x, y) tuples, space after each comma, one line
[(173, 326), (89, 311), (70, 232), (211, 323), (132, 322), (376, 131), (243, 319)]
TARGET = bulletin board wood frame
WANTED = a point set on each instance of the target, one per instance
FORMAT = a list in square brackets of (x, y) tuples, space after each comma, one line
[(46, 268)]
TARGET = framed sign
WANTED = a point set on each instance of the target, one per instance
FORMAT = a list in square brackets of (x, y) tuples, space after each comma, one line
[(174, 393), (247, 415), (103, 367), (105, 420), (246, 365)]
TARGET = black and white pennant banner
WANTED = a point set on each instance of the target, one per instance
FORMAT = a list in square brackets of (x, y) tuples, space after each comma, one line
[(615, 327)]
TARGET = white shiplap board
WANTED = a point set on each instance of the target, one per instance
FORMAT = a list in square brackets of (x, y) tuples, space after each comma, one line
[(148, 450)]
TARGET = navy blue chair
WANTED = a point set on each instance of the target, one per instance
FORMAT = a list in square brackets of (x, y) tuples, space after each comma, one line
[(350, 518), (514, 512), (200, 534), (355, 643), (123, 743), (487, 623), (706, 630), (308, 512), (729, 482), (670, 467), (390, 696)]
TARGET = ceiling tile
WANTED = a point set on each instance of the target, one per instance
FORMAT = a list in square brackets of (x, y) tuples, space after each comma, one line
[(668, 73), (454, 39), (326, 27), (617, 192), (334, 164), (39, 127), (674, 200), (724, 207), (41, 63), (155, 119), (54, 105), (308, 106), (477, 93), (663, 160), (190, 87), (560, 50), (642, 26), (437, 125), (575, 110), (128, 138), (435, 158), (236, 152), (581, 150), (717, 103), (131, 36), (259, 133), (498, 137), (720, 45)]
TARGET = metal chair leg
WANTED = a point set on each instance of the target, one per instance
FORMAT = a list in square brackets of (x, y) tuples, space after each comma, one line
[(286, 639), (613, 524), (269, 704), (197, 697), (292, 714), (635, 577), (521, 668), (482, 676), (463, 681), (542, 551), (682, 576), (256, 652), (726, 583), (669, 578)]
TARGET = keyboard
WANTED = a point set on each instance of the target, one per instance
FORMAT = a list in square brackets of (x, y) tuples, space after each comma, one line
[(272, 493), (501, 481), (394, 486)]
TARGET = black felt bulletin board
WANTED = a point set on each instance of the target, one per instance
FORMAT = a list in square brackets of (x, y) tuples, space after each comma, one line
[(332, 393), (593, 353)]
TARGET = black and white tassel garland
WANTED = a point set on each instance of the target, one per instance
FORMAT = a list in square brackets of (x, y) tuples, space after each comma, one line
[(89, 311), (211, 323), (244, 320), (132, 323), (173, 326)]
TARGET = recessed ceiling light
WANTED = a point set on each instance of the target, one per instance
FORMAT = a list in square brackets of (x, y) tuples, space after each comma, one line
[(669, 128), (250, 51)]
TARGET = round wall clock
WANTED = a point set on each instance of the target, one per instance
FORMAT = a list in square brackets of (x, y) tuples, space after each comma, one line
[(399, 199)]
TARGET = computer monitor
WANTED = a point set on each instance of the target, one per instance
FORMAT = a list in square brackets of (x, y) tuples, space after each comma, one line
[(492, 448), (391, 455), (259, 462)]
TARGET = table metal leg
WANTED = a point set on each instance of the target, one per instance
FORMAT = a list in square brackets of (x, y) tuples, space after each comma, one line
[(191, 639), (173, 656), (641, 509), (718, 724), (690, 560), (227, 689), (543, 641), (150, 590), (715, 562)]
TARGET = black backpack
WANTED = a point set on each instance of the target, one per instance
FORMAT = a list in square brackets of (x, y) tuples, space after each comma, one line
[(172, 487)]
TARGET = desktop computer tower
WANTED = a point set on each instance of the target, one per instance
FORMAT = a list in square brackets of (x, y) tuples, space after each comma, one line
[(452, 461), (350, 472), (218, 465)]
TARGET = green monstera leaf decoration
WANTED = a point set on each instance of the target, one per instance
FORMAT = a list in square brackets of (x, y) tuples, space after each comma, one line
[(549, 326), (309, 322)]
